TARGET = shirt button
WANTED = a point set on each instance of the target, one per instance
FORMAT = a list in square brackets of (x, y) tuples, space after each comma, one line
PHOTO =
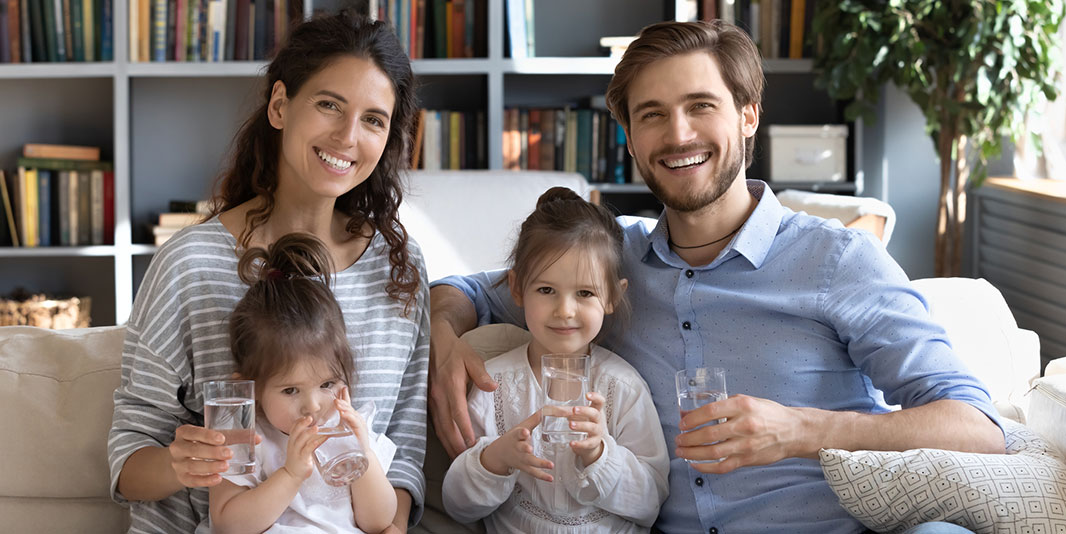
[(712, 531), (686, 325), (699, 481), (689, 273)]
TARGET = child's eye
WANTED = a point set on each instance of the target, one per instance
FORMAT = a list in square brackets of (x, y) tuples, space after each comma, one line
[(584, 293), (546, 290), (289, 391)]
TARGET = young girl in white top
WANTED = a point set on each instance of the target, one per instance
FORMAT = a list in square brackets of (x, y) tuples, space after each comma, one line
[(287, 333), (566, 275)]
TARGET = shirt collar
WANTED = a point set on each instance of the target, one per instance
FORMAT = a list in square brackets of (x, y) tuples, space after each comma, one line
[(753, 241)]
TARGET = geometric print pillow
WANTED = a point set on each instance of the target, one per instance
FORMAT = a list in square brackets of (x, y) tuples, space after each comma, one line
[(1023, 491)]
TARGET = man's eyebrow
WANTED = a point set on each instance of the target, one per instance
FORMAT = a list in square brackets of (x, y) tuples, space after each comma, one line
[(699, 95)]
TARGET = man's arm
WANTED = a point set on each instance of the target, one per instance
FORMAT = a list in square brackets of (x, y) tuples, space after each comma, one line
[(451, 363), (759, 431)]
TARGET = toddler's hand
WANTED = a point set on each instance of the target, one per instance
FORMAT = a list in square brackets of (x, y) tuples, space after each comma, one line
[(352, 418), (514, 450), (589, 419), (303, 440)]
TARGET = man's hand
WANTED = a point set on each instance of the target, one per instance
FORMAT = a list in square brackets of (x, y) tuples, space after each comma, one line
[(755, 432), (514, 450), (453, 364), (588, 419)]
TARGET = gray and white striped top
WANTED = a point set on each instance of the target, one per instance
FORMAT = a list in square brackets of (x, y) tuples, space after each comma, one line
[(177, 339)]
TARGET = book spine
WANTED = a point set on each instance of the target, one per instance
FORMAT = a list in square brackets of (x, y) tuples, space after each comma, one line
[(25, 32), (48, 11), (109, 207), (44, 207), (96, 203), (181, 18), (231, 30), (72, 208), (259, 50), (14, 30), (6, 239), (240, 35), (5, 38), (84, 209), (172, 29), (68, 31), (795, 36), (88, 30), (547, 140), (77, 26), (80, 153), (144, 19), (159, 30), (63, 207), (29, 201), (107, 32)]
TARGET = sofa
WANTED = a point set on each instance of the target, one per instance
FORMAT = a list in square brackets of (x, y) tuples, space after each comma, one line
[(56, 386)]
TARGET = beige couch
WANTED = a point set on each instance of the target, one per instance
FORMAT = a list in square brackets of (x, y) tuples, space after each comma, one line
[(56, 386)]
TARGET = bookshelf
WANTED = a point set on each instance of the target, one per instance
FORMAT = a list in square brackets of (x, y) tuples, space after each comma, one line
[(167, 126)]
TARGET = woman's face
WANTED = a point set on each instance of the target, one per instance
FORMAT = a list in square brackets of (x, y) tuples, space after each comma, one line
[(334, 130)]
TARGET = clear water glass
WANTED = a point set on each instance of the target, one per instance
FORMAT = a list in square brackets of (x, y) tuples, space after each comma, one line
[(564, 383), (698, 387), (340, 459), (229, 408)]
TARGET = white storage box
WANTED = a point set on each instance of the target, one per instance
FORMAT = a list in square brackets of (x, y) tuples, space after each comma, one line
[(808, 153)]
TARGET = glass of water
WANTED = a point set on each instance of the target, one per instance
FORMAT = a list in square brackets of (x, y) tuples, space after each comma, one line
[(697, 387), (564, 382), (341, 458), (229, 408)]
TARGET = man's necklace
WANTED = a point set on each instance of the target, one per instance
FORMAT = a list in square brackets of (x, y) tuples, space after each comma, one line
[(670, 241)]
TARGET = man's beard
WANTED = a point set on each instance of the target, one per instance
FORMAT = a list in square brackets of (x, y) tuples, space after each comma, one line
[(696, 200)]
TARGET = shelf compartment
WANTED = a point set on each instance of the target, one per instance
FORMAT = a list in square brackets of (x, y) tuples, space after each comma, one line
[(56, 276)]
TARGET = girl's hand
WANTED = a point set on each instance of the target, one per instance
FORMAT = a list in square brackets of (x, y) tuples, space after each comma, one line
[(352, 418), (514, 450), (303, 440), (198, 456), (589, 419)]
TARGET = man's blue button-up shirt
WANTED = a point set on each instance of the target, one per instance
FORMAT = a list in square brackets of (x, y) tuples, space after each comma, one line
[(798, 310)]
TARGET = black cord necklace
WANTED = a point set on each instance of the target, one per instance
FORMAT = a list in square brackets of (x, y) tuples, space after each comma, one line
[(670, 241)]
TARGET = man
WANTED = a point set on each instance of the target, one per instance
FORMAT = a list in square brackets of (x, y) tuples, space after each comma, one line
[(817, 327)]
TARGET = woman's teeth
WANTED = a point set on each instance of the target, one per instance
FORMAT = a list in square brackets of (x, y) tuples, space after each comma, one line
[(338, 164)]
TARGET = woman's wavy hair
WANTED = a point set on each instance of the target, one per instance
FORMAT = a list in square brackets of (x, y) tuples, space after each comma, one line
[(253, 170), (289, 313)]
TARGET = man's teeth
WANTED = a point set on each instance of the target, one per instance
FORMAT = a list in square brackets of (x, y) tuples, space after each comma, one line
[(685, 162), (338, 164)]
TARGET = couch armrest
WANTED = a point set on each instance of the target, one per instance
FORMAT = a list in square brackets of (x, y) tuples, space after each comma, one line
[(1047, 409)]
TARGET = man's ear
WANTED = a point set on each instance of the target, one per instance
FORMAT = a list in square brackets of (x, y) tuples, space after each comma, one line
[(623, 285), (516, 293), (749, 120), (276, 107)]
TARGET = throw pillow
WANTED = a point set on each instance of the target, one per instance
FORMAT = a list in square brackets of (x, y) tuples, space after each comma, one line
[(1021, 491)]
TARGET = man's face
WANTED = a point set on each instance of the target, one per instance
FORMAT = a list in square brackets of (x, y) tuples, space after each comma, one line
[(685, 132)]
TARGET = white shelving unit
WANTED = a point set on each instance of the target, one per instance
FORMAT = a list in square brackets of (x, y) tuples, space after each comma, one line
[(168, 125)]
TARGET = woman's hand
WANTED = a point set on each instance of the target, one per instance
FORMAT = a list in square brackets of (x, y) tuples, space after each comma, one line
[(589, 419), (514, 450), (303, 440), (198, 456)]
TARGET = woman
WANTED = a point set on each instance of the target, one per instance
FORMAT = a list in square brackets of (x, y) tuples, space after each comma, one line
[(322, 155)]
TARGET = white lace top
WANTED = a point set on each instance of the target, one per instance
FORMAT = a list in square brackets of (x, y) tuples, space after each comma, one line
[(619, 493)]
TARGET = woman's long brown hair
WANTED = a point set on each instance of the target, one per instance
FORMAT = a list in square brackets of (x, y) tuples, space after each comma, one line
[(253, 171)]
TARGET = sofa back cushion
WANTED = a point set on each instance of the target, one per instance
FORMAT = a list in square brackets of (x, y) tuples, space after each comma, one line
[(56, 390), (466, 221)]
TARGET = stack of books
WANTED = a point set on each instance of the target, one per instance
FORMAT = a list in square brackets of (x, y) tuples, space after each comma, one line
[(182, 213), (61, 195)]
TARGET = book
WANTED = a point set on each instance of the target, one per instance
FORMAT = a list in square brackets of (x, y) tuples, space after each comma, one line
[(158, 42), (72, 208), (29, 207), (81, 153), (109, 207), (66, 41), (24, 31), (180, 219), (85, 225), (420, 130), (39, 47), (14, 29), (230, 45), (96, 207), (516, 28), (5, 28), (63, 164), (10, 236), (107, 32), (172, 29), (89, 29), (44, 207), (63, 207), (144, 22), (77, 27), (134, 30)]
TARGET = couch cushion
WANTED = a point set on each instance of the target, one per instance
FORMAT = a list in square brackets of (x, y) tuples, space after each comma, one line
[(1023, 491), (56, 389), (1047, 410)]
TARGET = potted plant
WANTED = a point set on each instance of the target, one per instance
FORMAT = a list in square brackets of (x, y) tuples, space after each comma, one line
[(974, 68)]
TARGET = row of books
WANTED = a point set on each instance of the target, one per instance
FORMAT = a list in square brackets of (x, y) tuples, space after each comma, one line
[(450, 140), (54, 202), (55, 30), (588, 141), (781, 28), (182, 213), (437, 29), (209, 30)]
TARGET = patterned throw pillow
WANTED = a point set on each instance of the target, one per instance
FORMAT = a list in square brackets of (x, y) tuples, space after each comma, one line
[(1023, 491)]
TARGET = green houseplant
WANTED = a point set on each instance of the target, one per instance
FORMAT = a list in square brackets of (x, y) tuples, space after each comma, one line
[(974, 68)]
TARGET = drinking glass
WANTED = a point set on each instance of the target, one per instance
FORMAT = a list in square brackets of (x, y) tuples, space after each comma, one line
[(229, 408), (340, 459), (697, 387), (564, 382)]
